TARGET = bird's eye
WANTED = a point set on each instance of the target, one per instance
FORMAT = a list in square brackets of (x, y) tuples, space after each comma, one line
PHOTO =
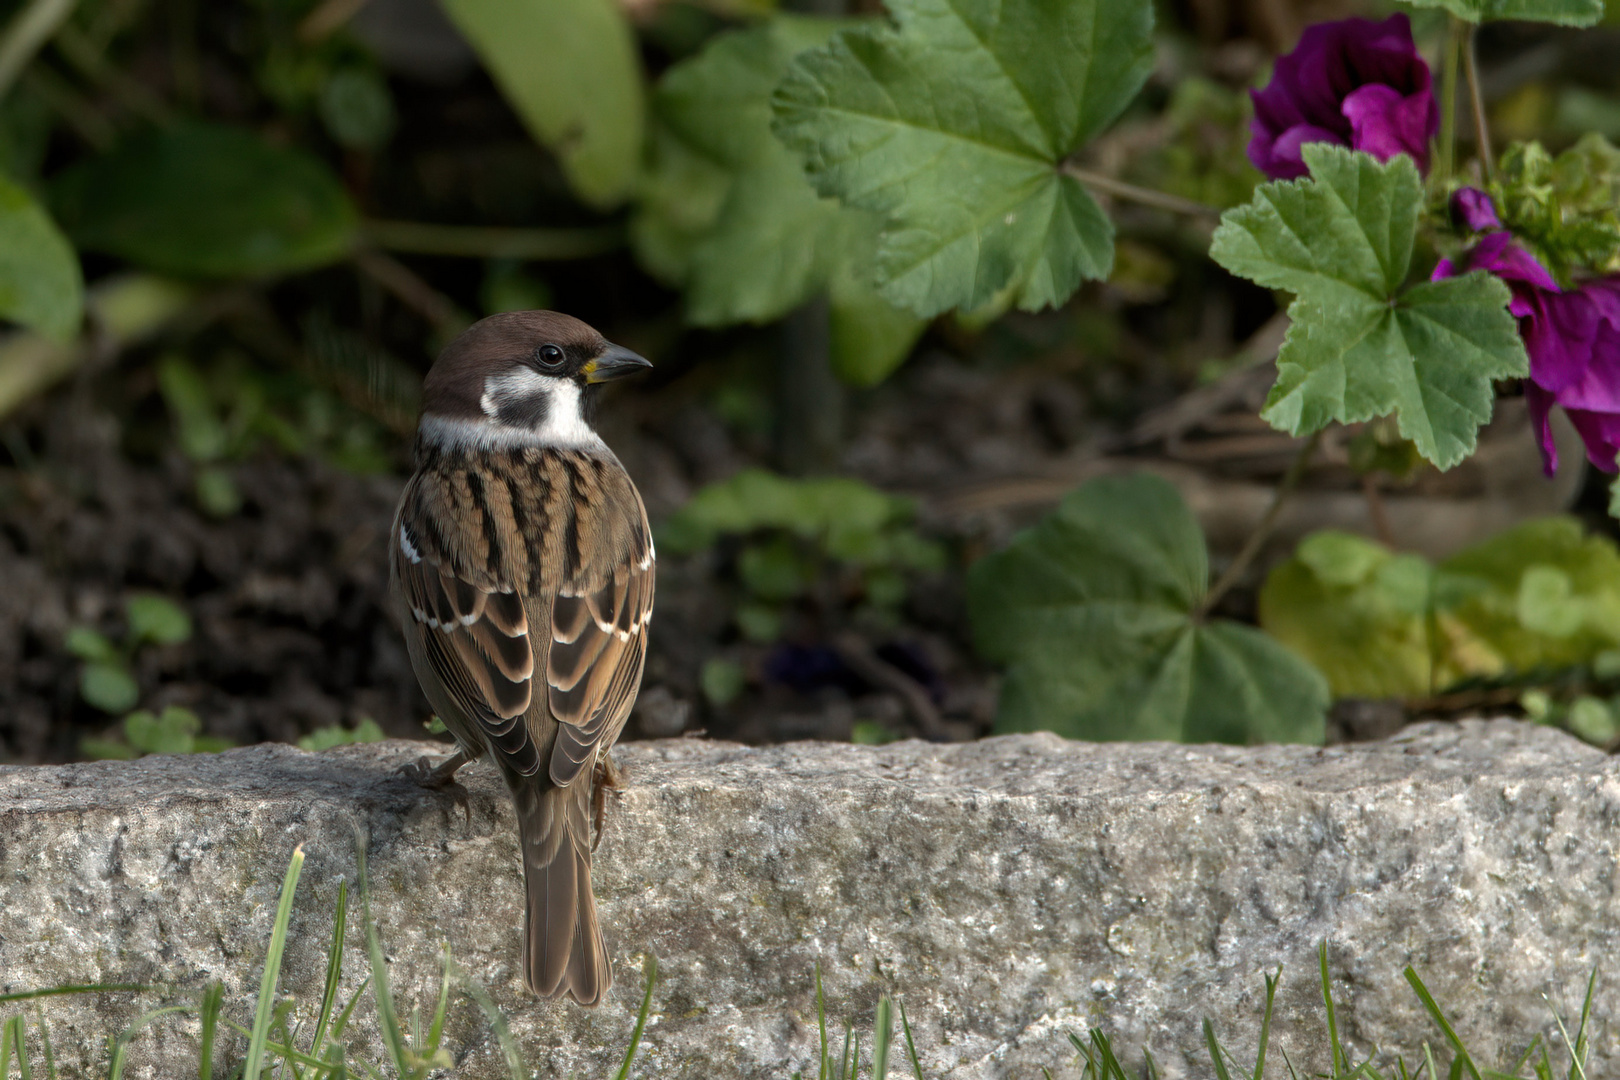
[(550, 355)]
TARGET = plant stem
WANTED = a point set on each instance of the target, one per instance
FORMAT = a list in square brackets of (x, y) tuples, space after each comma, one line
[(1262, 532), (32, 28), (1146, 196), (1482, 130), (1450, 63), (492, 242)]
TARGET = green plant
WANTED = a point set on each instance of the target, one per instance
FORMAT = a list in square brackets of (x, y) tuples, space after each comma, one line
[(327, 737), (273, 1039), (105, 680), (1101, 615), (830, 548)]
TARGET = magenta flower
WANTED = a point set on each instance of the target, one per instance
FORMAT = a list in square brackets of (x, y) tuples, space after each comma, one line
[(1352, 83), (1573, 338), (1474, 209)]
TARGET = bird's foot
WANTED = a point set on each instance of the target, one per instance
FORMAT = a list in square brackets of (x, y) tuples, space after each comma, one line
[(440, 777), (607, 777)]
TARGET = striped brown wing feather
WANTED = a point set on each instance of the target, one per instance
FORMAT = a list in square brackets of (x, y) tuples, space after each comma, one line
[(475, 633), (599, 641)]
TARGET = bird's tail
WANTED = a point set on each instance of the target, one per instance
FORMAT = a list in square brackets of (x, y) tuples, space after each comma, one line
[(563, 950)]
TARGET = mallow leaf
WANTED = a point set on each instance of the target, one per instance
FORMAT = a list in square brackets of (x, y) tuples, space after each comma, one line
[(571, 71), (953, 125), (40, 282), (1362, 344), (208, 200), (1562, 12), (728, 214), (1094, 614)]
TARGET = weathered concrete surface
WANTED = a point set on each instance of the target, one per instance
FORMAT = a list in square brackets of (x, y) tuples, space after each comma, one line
[(1010, 891)]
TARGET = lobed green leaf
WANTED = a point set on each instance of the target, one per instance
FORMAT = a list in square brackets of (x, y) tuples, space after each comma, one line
[(1361, 346), (953, 124), (1094, 613)]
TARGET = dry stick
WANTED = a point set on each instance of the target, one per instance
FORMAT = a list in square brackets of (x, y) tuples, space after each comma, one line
[(32, 28), (1262, 531), (1482, 131), (855, 652), (327, 18), (399, 279), (1146, 196), (490, 242)]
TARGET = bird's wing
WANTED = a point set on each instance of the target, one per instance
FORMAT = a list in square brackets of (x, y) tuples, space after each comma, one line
[(448, 555), (599, 617)]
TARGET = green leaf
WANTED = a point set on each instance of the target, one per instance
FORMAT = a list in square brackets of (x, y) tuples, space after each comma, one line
[(327, 737), (1355, 610), (40, 283), (953, 124), (870, 336), (847, 514), (1092, 612), (1562, 12), (108, 687), (207, 200), (357, 108), (571, 70), (87, 644), (1546, 596), (722, 681), (156, 618), (198, 426), (1362, 346), (173, 732)]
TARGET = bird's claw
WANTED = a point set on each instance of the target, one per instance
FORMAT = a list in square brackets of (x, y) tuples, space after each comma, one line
[(606, 777), (440, 778)]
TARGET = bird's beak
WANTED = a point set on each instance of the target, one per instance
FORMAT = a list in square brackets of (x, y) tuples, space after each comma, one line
[(615, 363)]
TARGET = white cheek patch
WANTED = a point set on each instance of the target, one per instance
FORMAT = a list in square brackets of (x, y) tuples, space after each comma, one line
[(554, 404)]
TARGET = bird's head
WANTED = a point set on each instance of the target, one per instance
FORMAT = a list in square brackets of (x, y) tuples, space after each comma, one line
[(521, 378)]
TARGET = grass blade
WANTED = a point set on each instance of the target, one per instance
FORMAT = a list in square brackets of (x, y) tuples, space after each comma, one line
[(641, 1017), (272, 968), (86, 988), (1216, 1051), (45, 1046), (334, 968), (843, 1056), (115, 1067), (1265, 1023), (387, 1019), (1464, 1060), (436, 1029), (821, 1020), (213, 1001), (911, 1047), (7, 1038), (503, 1035), (1339, 1061), (882, 1035)]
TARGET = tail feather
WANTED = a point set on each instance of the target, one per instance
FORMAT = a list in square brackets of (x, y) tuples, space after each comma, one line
[(563, 948)]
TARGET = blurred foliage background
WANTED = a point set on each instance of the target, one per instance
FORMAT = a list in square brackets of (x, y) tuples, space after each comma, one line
[(234, 235)]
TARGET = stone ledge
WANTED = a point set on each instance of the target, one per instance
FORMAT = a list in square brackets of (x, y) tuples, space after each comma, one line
[(1009, 891)]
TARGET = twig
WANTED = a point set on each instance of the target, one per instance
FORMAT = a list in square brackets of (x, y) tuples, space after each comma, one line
[(417, 238), (855, 652), (1448, 98), (1262, 532), (327, 17), (399, 279), (32, 28), (1482, 130), (1146, 196)]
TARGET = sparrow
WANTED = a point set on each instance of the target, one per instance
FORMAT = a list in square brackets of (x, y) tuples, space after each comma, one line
[(523, 568)]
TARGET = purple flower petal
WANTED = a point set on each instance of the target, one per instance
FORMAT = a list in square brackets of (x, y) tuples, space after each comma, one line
[(1601, 433), (1354, 83), (1540, 403), (1475, 210)]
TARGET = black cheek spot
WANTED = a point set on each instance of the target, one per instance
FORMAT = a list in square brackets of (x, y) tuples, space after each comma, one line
[(525, 412)]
